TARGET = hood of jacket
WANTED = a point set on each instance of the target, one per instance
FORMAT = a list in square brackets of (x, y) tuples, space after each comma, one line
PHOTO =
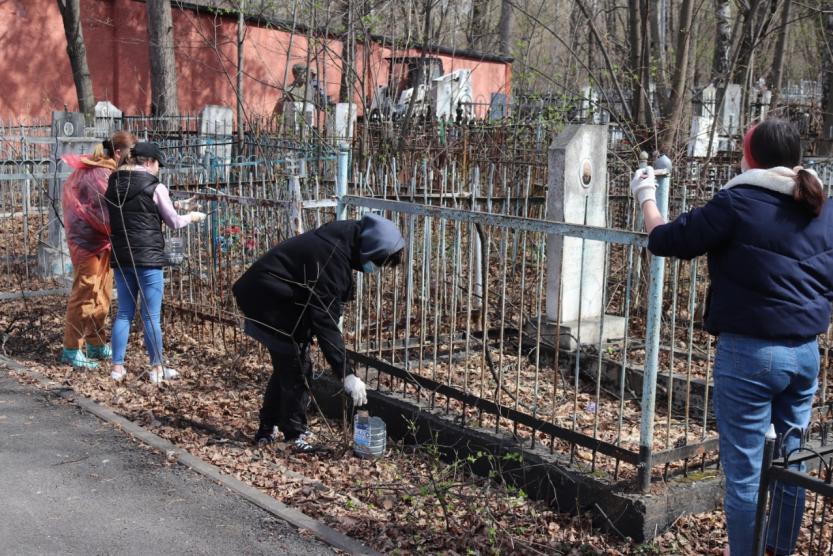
[(85, 161), (779, 179), (378, 238)]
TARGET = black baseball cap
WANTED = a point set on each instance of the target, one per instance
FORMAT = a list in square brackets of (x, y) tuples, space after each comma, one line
[(149, 150)]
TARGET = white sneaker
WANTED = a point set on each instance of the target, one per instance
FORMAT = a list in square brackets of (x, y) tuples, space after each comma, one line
[(156, 377), (118, 376)]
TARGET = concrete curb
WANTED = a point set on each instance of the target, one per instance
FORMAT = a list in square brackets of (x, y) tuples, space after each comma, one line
[(280, 510)]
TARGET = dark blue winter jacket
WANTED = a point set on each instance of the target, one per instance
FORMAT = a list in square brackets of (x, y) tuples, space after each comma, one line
[(770, 261)]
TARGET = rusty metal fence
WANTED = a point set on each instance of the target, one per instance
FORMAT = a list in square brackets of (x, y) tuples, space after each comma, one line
[(460, 327), (795, 500)]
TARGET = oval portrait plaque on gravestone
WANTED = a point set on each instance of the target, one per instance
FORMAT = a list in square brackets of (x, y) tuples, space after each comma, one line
[(586, 173)]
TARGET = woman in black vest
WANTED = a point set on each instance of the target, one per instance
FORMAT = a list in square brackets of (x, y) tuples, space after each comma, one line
[(138, 204)]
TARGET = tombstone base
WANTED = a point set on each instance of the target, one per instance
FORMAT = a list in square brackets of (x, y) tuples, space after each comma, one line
[(571, 333)]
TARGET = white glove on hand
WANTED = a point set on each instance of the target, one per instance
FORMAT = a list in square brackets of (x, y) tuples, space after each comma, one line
[(196, 216), (354, 386), (644, 185), (187, 204)]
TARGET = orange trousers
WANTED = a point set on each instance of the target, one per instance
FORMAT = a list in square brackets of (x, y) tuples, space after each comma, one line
[(89, 302)]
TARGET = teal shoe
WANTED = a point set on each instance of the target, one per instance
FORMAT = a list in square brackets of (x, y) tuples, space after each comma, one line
[(99, 352), (76, 358)]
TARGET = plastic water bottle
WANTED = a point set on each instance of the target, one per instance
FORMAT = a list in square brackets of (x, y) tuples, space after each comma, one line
[(369, 435), (173, 251), (361, 432)]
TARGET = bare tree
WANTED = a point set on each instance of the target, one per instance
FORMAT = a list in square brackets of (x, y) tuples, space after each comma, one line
[(780, 52), (505, 27), (647, 115), (826, 147), (477, 24), (679, 84), (723, 41), (348, 50), (658, 43), (77, 52), (163, 93), (634, 57), (241, 38), (756, 19)]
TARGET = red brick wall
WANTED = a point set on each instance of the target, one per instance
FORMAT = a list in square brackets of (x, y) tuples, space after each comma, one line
[(37, 77)]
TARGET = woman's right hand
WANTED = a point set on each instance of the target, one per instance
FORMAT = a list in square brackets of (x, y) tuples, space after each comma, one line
[(196, 216), (644, 185)]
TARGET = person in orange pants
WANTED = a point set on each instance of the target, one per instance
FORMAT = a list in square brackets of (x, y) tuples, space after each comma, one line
[(87, 226)]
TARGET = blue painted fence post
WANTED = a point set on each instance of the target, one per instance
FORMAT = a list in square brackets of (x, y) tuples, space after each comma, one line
[(662, 169)]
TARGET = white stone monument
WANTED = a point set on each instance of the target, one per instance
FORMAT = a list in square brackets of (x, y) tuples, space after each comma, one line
[(701, 131), (702, 124), (107, 118), (732, 105), (575, 267), (342, 121), (451, 91), (216, 132)]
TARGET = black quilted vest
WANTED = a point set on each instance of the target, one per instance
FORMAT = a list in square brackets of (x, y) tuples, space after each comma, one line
[(135, 221)]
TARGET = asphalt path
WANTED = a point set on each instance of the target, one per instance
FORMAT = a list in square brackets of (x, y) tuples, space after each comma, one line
[(71, 484)]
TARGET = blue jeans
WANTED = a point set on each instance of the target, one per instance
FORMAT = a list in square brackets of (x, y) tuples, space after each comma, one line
[(130, 282), (758, 382)]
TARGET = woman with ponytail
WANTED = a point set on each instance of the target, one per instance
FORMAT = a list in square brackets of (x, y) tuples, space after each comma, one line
[(768, 235), (86, 223)]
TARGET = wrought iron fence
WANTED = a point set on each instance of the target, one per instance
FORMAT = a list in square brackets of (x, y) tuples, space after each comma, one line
[(795, 500), (460, 326)]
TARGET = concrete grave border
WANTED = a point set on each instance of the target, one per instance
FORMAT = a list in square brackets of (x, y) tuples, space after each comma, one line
[(541, 475)]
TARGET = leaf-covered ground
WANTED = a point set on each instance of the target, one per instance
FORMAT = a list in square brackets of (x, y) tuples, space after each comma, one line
[(407, 502)]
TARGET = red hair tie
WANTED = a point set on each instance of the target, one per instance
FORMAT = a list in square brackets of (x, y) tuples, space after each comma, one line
[(747, 148)]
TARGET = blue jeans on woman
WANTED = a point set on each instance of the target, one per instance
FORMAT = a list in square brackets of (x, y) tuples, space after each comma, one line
[(758, 382), (143, 286)]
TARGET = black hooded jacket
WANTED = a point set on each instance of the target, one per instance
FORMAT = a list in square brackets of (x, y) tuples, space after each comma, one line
[(296, 290)]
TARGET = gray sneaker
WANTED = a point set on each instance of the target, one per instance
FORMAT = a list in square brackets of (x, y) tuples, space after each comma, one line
[(265, 435)]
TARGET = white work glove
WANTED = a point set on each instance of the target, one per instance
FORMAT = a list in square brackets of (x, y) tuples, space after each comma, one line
[(354, 386), (196, 216), (644, 185), (187, 204)]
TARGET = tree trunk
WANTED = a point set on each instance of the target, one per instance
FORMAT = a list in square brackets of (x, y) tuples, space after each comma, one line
[(658, 46), (645, 66), (477, 24), (746, 45), (778, 55), (826, 146), (348, 52), (634, 51), (505, 27), (163, 93), (723, 42), (77, 52), (676, 102), (409, 113), (241, 116)]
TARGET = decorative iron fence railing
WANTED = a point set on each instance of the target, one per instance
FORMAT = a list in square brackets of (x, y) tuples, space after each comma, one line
[(795, 500), (460, 325)]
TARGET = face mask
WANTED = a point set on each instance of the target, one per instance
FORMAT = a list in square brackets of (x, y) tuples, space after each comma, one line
[(370, 267)]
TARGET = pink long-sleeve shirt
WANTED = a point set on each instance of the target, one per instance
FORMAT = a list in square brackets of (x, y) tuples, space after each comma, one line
[(166, 208), (162, 199)]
